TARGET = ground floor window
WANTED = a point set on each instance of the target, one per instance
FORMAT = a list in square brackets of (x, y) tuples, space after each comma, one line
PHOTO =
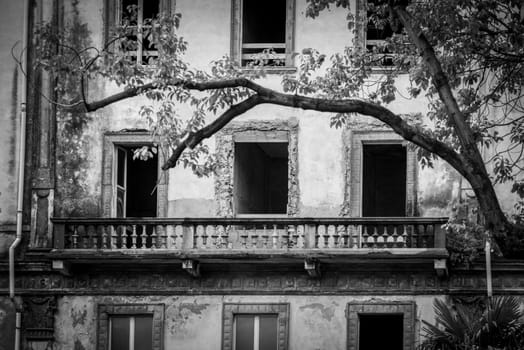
[(255, 326), (131, 332), (130, 326)]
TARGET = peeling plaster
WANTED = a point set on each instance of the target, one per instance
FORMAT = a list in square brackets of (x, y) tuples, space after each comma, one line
[(326, 312), (78, 317)]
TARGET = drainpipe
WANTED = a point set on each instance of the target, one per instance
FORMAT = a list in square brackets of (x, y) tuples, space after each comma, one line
[(21, 164)]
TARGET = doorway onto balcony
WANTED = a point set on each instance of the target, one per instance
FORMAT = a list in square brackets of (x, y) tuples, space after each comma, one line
[(383, 180), (136, 180), (261, 177)]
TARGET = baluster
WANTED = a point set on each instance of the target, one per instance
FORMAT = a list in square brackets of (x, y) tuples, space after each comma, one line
[(214, 237), (346, 236), (154, 238), (95, 237), (318, 244), (243, 237), (336, 236), (364, 238), (75, 237), (133, 237), (300, 236), (275, 237), (265, 237), (204, 236), (324, 233), (103, 237), (254, 238), (114, 237), (392, 239), (292, 236), (425, 236), (163, 236)]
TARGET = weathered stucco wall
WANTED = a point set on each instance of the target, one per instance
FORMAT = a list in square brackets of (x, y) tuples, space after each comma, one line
[(11, 25), (321, 152), (195, 322)]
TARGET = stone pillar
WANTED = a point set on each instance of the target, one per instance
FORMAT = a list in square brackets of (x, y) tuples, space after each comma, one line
[(43, 140), (38, 321)]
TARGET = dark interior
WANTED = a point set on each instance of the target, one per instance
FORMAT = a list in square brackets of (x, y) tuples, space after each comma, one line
[(384, 180), (141, 192), (264, 21), (381, 331), (260, 178)]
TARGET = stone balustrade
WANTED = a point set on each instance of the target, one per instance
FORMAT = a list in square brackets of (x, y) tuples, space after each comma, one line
[(150, 234)]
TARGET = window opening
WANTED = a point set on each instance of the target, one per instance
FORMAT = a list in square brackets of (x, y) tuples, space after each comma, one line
[(264, 31), (384, 180), (390, 327), (256, 332), (137, 16), (378, 30), (261, 177), (131, 332), (136, 181)]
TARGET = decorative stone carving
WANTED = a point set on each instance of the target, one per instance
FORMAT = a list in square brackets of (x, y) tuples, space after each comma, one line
[(38, 317)]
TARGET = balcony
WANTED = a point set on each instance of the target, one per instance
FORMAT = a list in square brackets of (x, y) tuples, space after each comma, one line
[(270, 240)]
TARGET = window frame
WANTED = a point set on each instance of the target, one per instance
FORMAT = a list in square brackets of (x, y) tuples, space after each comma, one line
[(113, 16), (106, 311), (406, 308), (356, 141), (256, 131), (113, 140), (236, 35), (361, 35), (232, 309)]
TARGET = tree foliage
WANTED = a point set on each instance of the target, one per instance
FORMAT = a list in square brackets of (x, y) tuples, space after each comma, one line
[(465, 56), (495, 326)]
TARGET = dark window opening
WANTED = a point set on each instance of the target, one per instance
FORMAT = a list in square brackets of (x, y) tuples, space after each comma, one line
[(256, 332), (389, 326), (131, 332), (261, 177), (136, 184), (384, 180), (138, 14), (378, 30), (264, 31)]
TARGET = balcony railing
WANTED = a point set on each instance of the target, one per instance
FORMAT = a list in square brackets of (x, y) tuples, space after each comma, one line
[(223, 234)]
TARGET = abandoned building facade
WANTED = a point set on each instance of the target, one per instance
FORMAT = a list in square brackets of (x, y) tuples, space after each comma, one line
[(306, 237)]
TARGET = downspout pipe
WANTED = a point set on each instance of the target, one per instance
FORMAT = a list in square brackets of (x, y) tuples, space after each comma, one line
[(21, 175)]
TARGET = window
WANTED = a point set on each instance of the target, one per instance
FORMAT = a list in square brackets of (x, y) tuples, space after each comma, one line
[(135, 186), (261, 177), (263, 29), (257, 134), (132, 187), (255, 332), (136, 16), (130, 327), (255, 326), (394, 320), (378, 29), (381, 168), (131, 332)]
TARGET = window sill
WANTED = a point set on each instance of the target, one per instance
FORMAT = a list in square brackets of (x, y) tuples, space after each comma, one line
[(274, 70)]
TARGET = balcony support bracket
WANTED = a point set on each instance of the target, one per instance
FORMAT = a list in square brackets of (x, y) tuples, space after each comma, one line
[(441, 267), (192, 267), (312, 267), (62, 267)]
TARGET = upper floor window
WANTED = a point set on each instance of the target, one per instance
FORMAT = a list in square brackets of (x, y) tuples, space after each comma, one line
[(379, 29), (132, 187), (136, 16), (261, 177), (263, 30)]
